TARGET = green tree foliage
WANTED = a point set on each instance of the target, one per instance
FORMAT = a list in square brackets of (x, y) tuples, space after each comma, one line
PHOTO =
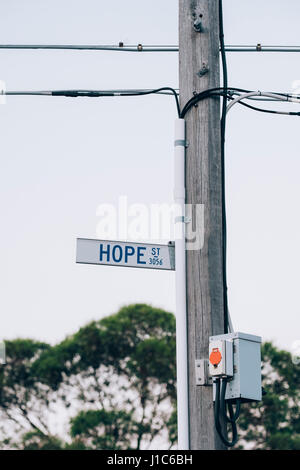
[(112, 385), (101, 429), (274, 423), (115, 378), (35, 440), (23, 399)]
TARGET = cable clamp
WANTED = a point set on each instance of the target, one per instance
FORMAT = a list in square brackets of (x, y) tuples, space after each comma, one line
[(258, 47), (182, 219), (181, 143)]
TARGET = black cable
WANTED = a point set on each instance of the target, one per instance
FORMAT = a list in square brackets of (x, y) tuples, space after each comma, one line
[(223, 129), (157, 90), (233, 415), (217, 92), (219, 405), (270, 111), (96, 94), (211, 92)]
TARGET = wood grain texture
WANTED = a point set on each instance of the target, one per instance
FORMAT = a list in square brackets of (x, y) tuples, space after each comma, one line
[(203, 186)]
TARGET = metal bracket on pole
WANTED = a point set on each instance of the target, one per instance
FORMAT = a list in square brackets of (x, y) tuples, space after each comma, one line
[(201, 372), (181, 143), (204, 70), (198, 27), (183, 219)]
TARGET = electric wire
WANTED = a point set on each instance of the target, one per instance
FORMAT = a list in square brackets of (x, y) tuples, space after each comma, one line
[(233, 415), (252, 94), (122, 92), (218, 409), (223, 129), (216, 92), (270, 111), (99, 93), (210, 93), (261, 48), (278, 97), (121, 47)]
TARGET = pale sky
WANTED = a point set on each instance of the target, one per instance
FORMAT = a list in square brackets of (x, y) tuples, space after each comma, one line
[(62, 157)]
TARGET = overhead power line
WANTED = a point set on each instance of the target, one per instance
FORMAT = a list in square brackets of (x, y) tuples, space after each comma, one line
[(95, 93), (121, 47), (262, 48), (274, 96), (235, 95), (98, 93)]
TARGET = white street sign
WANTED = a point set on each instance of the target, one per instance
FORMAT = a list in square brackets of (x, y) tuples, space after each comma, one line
[(130, 254)]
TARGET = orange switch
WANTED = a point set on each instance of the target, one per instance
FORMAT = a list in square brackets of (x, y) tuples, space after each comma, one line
[(215, 357)]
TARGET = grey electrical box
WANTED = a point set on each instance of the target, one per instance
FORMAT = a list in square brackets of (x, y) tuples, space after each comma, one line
[(246, 380)]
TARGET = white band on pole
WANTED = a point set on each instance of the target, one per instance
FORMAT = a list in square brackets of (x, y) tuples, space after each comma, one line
[(181, 316)]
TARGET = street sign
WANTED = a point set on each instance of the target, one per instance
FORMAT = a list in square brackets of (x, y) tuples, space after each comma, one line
[(130, 254)]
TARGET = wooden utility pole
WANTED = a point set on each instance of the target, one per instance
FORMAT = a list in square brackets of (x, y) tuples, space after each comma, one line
[(199, 69)]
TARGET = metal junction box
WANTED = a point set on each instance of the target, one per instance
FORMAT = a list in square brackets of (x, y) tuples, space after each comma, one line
[(246, 380)]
